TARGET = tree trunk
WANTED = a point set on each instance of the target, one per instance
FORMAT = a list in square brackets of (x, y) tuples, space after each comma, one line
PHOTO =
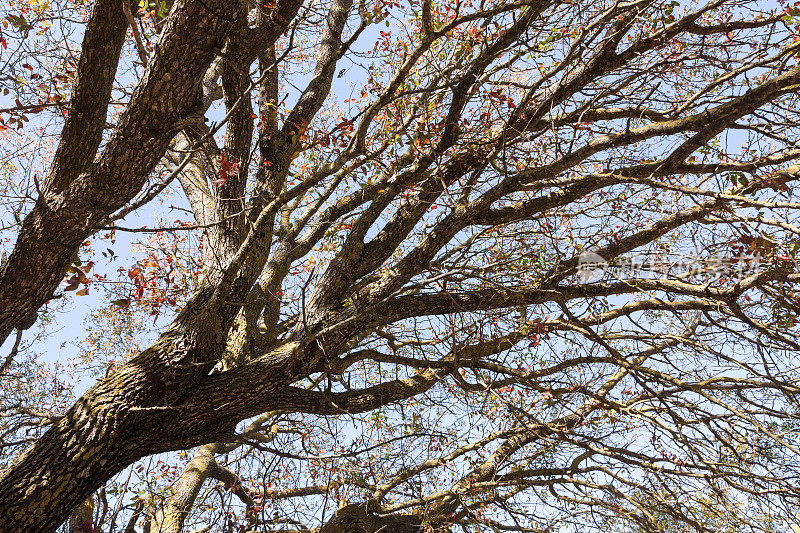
[(146, 407), (356, 518), (170, 518)]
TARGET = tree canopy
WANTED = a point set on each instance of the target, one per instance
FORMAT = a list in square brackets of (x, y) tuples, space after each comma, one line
[(400, 266)]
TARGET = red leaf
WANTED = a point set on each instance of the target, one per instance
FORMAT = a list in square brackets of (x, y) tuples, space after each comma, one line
[(227, 168)]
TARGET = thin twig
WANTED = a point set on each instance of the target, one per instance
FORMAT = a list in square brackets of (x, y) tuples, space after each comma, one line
[(132, 23), (10, 356)]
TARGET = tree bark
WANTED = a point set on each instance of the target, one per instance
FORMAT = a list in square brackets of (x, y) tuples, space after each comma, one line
[(357, 518), (80, 191), (137, 411)]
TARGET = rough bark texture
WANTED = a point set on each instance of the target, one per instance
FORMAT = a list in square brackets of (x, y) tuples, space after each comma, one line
[(76, 196), (357, 518), (147, 405), (178, 394), (170, 518)]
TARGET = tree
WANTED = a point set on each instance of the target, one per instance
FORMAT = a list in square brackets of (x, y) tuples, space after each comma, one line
[(388, 312)]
